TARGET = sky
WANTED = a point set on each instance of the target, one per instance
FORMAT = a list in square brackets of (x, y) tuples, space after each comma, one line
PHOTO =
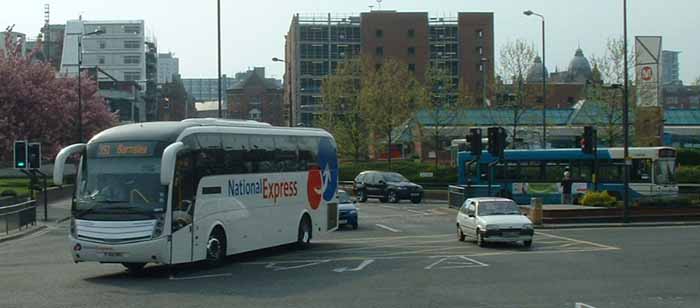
[(253, 31)]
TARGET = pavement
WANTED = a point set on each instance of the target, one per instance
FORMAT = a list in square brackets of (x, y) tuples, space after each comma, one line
[(403, 255)]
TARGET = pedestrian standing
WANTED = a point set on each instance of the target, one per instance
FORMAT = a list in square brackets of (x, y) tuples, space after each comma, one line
[(566, 184)]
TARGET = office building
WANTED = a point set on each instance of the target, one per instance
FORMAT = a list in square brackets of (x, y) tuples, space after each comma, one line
[(256, 97), (463, 45), (168, 66), (670, 68)]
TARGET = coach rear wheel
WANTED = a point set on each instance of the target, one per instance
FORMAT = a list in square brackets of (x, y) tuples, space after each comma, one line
[(304, 236)]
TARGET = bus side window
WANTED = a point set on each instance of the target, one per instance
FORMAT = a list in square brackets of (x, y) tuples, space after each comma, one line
[(184, 186), (308, 147), (263, 154), (236, 157), (286, 156)]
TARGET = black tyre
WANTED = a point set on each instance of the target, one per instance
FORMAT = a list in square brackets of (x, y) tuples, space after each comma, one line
[(383, 199), (216, 248), (362, 196), (416, 200), (480, 239), (304, 234), (134, 268), (527, 244), (354, 226), (460, 234), (393, 197)]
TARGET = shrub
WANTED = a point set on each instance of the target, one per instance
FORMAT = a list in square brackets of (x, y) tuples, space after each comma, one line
[(688, 174), (8, 192), (594, 198), (688, 157), (669, 202)]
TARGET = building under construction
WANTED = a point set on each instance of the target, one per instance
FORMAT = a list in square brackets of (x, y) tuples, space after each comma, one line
[(462, 45)]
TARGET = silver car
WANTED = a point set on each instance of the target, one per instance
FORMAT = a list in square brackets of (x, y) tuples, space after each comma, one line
[(490, 219)]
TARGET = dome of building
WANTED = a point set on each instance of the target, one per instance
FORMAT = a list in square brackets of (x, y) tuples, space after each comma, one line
[(579, 68), (534, 74)]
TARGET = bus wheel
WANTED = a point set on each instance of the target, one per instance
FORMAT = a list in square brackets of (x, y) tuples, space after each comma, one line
[(304, 235), (134, 268), (216, 247)]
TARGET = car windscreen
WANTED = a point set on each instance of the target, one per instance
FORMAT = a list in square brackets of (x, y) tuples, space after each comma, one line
[(394, 177), (487, 208)]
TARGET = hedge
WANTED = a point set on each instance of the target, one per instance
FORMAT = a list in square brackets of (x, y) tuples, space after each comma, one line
[(688, 174), (688, 157), (443, 175)]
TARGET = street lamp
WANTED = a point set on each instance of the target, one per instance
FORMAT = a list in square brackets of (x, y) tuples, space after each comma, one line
[(625, 118), (544, 81), (289, 77), (218, 40), (80, 62)]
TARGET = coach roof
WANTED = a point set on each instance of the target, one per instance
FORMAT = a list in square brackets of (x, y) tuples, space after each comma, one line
[(148, 131)]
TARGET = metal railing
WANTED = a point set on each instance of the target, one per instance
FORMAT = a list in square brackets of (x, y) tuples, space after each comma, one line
[(18, 216)]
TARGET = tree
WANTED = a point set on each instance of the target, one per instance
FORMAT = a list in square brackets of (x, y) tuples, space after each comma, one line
[(441, 103), (515, 59), (697, 81), (38, 106), (388, 96), (342, 111), (606, 94), (176, 105)]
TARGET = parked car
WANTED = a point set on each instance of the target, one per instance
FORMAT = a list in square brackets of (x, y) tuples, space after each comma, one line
[(490, 219), (347, 210), (386, 186)]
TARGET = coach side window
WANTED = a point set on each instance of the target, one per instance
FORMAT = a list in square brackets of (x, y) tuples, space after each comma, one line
[(262, 153), (286, 153), (236, 153), (308, 149), (209, 156)]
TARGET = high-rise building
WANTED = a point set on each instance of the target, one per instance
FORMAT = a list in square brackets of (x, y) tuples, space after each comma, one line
[(15, 37), (256, 97), (462, 45), (670, 67), (52, 43), (168, 66)]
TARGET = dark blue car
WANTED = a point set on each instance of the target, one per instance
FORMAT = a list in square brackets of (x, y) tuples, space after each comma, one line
[(347, 210)]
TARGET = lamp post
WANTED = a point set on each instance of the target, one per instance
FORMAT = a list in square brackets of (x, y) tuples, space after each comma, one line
[(625, 118), (289, 77), (80, 62), (544, 81), (218, 40)]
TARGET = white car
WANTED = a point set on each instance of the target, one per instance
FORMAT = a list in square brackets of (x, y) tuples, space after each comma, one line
[(490, 219)]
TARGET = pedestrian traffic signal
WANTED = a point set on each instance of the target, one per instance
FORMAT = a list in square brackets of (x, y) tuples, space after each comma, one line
[(34, 155), (497, 141), (588, 141), (474, 139), (20, 154)]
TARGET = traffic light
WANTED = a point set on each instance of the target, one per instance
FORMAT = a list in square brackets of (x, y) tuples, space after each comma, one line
[(34, 155), (474, 139), (588, 142), (497, 141), (20, 154)]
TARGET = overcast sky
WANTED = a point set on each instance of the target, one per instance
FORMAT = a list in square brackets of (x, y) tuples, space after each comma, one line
[(253, 31)]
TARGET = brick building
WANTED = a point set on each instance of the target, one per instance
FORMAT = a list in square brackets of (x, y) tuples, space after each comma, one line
[(462, 45), (255, 97)]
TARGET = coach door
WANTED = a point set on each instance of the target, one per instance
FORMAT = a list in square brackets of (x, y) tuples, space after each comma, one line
[(183, 203)]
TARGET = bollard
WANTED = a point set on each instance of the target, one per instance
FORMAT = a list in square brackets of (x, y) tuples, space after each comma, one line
[(536, 210)]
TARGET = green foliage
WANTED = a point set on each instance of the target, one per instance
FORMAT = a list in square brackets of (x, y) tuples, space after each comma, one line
[(409, 169), (593, 198), (676, 202), (688, 157), (688, 174)]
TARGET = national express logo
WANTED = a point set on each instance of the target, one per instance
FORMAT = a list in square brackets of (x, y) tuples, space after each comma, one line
[(323, 180)]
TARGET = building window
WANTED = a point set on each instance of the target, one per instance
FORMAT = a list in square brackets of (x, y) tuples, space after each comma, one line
[(135, 29), (411, 33), (132, 59), (254, 114), (379, 51), (412, 68), (132, 76), (480, 50), (131, 44), (103, 44), (379, 33), (480, 33), (101, 60), (481, 68), (411, 51)]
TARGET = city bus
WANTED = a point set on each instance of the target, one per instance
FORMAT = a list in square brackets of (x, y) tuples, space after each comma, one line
[(524, 174), (199, 189)]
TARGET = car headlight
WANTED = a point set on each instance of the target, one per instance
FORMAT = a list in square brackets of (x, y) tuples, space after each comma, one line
[(492, 227), (403, 187), (527, 226), (353, 212)]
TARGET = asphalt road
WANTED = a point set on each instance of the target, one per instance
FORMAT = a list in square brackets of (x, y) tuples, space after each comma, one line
[(403, 255)]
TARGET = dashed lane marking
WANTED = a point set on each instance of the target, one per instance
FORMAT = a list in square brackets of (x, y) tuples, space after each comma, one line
[(387, 228)]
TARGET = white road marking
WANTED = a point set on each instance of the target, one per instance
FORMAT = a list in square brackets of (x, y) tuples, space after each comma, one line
[(201, 276), (418, 212), (453, 262), (576, 241), (582, 305), (274, 267), (358, 268), (387, 228)]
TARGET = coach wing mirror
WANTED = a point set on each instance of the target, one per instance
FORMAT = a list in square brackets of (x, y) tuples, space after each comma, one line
[(60, 163), (167, 164)]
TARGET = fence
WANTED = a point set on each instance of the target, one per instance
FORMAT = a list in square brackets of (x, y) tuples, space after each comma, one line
[(18, 216)]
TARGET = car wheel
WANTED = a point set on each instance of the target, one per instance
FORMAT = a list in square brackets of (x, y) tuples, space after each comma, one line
[(460, 234), (354, 226), (480, 239), (216, 248), (527, 244), (304, 235), (134, 268), (416, 200), (383, 199), (362, 196), (393, 198)]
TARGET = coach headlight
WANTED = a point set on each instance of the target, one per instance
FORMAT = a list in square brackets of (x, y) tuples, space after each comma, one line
[(158, 229)]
